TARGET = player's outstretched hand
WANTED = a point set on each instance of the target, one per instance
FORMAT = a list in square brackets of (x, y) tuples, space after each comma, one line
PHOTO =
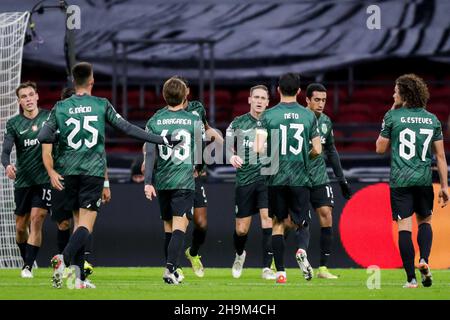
[(172, 142), (149, 191), (443, 197), (11, 171), (346, 190), (236, 161), (55, 180)]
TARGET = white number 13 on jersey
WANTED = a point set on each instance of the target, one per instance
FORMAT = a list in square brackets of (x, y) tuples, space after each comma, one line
[(298, 136)]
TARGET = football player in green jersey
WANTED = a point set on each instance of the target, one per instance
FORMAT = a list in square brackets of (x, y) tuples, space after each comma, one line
[(59, 214), (81, 162), (414, 135), (251, 195), (288, 127), (200, 200), (200, 218), (174, 172), (321, 191), (32, 192)]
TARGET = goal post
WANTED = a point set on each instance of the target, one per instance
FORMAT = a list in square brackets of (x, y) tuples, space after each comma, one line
[(13, 26)]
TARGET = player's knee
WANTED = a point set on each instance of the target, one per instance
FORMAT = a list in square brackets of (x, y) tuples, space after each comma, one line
[(201, 223), (421, 220), (266, 223), (38, 218), (21, 224), (325, 217), (21, 230), (241, 231)]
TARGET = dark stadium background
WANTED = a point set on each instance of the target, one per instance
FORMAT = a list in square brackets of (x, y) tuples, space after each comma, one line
[(254, 42)]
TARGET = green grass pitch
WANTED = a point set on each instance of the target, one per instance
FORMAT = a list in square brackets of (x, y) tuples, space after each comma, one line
[(218, 284)]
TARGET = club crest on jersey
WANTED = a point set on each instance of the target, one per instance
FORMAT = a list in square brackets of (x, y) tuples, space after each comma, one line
[(258, 123), (324, 128), (34, 128)]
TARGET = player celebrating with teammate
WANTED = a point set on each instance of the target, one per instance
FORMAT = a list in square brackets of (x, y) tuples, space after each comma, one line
[(174, 180), (81, 162), (59, 213), (414, 135), (200, 217), (288, 127), (32, 192), (321, 191), (251, 187)]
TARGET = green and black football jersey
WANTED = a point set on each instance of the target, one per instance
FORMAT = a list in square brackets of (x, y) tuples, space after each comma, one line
[(175, 167), (243, 129), (81, 120), (317, 166), (24, 131), (290, 127), (412, 132), (197, 108)]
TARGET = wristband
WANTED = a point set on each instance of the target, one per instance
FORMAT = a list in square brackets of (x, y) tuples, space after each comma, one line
[(106, 184)]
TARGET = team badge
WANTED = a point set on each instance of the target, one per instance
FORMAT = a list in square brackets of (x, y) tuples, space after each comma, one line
[(34, 128), (258, 123), (324, 128)]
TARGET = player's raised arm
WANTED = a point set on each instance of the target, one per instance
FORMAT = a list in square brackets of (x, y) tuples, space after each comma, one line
[(383, 141), (213, 133), (116, 120)]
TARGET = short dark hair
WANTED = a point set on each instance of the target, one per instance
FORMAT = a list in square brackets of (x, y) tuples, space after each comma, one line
[(67, 92), (413, 90), (27, 84), (174, 91), (81, 73), (289, 83), (259, 86), (314, 87)]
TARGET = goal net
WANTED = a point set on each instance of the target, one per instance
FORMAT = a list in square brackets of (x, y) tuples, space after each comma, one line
[(12, 34)]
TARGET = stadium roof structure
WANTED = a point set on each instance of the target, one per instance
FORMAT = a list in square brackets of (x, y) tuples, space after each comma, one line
[(251, 39)]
